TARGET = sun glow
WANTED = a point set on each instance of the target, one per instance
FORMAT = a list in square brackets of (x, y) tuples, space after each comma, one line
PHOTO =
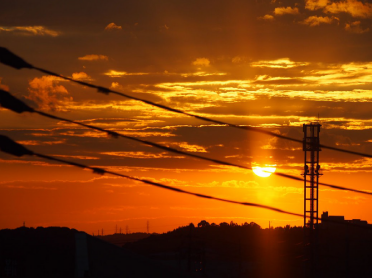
[(263, 172)]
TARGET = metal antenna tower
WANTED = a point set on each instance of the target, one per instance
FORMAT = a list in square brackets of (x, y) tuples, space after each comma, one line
[(312, 169)]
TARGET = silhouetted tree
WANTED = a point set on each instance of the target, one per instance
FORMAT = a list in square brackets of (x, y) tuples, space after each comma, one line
[(255, 225), (203, 224), (232, 224), (224, 224)]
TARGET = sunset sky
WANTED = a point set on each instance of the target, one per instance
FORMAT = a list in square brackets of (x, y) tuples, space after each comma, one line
[(265, 63)]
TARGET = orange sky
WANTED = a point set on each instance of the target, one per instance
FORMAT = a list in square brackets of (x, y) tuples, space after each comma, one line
[(270, 64)]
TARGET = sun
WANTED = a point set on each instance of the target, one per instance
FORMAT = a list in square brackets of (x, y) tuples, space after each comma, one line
[(263, 172)]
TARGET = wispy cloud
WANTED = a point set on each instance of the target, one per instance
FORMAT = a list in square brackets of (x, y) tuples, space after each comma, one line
[(266, 17), (115, 73), (279, 63), (30, 31), (31, 187), (81, 76), (82, 157), (2, 86), (141, 155), (39, 142), (355, 27), (286, 10), (353, 7), (93, 57), (186, 146), (315, 4), (201, 62), (317, 20), (112, 26)]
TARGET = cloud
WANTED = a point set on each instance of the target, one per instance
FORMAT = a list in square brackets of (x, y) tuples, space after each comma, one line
[(114, 73), (129, 133), (354, 27), (286, 10), (116, 85), (187, 147), (317, 20), (93, 57), (201, 62), (315, 4), (279, 63), (350, 74), (31, 187), (112, 26), (81, 76), (202, 73), (30, 31), (82, 157), (266, 17), (255, 186), (353, 7), (141, 155), (164, 28), (48, 94), (38, 142), (3, 87), (238, 184), (238, 59)]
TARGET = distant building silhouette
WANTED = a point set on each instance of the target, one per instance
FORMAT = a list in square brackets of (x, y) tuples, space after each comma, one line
[(336, 222)]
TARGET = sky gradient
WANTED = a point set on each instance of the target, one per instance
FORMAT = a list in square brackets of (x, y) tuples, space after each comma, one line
[(270, 64)]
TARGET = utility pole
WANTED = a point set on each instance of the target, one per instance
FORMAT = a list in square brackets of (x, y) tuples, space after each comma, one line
[(148, 226), (312, 169), (311, 148)]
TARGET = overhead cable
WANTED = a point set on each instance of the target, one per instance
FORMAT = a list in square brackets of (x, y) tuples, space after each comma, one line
[(12, 60), (9, 146), (12, 103)]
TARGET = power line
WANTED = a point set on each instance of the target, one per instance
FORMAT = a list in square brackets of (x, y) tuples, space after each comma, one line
[(12, 60), (9, 146), (16, 105)]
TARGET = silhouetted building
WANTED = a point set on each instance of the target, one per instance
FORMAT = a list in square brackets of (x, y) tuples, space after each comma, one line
[(339, 222)]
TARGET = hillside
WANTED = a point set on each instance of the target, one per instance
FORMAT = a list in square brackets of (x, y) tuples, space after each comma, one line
[(121, 239), (64, 252)]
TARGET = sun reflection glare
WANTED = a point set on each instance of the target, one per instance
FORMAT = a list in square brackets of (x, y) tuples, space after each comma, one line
[(264, 172)]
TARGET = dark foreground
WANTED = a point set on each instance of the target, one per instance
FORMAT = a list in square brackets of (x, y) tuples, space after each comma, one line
[(225, 250), (63, 252), (231, 250)]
